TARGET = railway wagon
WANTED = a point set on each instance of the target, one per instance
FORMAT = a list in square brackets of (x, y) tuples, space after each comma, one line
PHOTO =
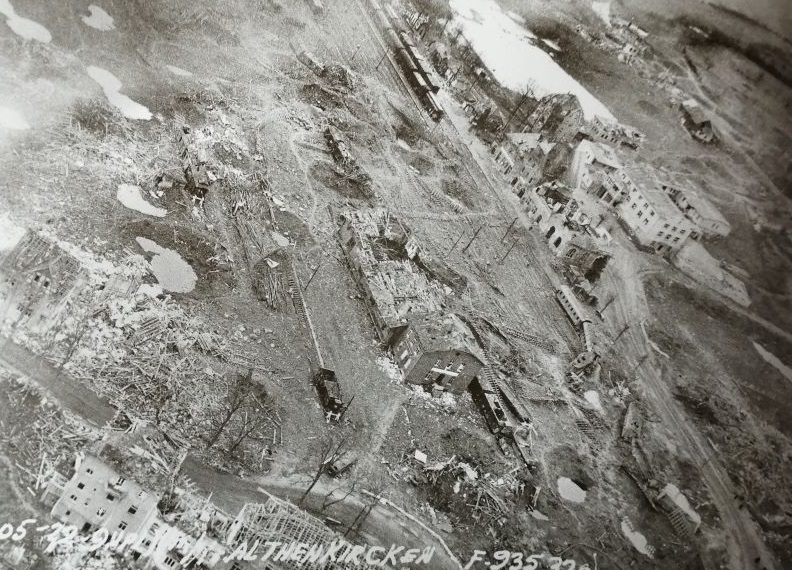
[(571, 306)]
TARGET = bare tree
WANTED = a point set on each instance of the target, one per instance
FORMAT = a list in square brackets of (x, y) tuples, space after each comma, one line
[(242, 399), (333, 448)]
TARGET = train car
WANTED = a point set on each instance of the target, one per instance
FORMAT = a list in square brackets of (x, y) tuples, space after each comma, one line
[(571, 306), (405, 61), (433, 106), (418, 83), (393, 38)]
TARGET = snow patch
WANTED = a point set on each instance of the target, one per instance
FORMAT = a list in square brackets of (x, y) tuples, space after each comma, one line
[(178, 71), (98, 19), (637, 539), (12, 120), (111, 86), (570, 491), (172, 272), (280, 239), (23, 27), (673, 493), (508, 50), (593, 398), (10, 233), (602, 9), (131, 197)]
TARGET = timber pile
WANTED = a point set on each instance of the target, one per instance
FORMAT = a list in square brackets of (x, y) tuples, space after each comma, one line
[(268, 284)]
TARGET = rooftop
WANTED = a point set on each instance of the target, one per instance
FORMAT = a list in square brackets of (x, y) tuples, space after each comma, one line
[(603, 153), (650, 182), (445, 331), (695, 111)]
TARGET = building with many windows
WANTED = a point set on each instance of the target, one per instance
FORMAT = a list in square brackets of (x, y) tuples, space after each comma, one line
[(649, 212)]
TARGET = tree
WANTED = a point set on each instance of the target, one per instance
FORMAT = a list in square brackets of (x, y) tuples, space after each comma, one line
[(244, 411), (333, 448), (593, 274)]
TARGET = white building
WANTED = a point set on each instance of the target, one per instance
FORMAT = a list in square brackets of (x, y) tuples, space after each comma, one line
[(650, 213), (700, 211), (592, 161)]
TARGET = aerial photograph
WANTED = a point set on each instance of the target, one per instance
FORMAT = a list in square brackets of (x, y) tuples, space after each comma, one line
[(402, 284)]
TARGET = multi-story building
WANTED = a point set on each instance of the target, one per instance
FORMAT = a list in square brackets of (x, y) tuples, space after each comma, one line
[(98, 496), (439, 350), (612, 132), (527, 159), (37, 281), (700, 211), (650, 213), (592, 162)]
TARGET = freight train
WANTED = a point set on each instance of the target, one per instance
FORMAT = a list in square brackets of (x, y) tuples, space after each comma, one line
[(415, 67)]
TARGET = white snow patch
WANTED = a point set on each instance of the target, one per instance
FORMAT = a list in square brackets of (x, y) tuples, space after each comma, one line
[(636, 539), (172, 272), (111, 86), (131, 197), (593, 398), (12, 120), (551, 44), (509, 52), (178, 71), (774, 361), (150, 290), (98, 19), (23, 27), (280, 239), (10, 233), (570, 491), (681, 501), (403, 143), (602, 9)]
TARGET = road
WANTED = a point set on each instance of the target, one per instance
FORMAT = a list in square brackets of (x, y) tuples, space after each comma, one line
[(383, 526), (745, 545), (70, 393)]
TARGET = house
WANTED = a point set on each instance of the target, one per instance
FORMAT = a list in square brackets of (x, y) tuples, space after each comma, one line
[(380, 253), (696, 121), (97, 496), (37, 281), (700, 211), (650, 213), (559, 117), (592, 161), (615, 133), (439, 350)]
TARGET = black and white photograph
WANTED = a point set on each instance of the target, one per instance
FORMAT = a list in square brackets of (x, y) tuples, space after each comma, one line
[(401, 284)]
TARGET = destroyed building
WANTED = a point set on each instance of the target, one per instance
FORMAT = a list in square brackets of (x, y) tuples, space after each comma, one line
[(558, 116), (696, 121), (440, 351), (592, 165), (602, 130), (700, 211), (649, 212), (380, 254), (527, 159), (283, 523), (37, 281)]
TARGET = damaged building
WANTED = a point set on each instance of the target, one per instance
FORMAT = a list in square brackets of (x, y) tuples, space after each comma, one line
[(438, 350), (564, 225), (593, 167), (697, 121), (558, 116), (37, 281), (527, 159), (380, 254), (700, 211), (611, 132)]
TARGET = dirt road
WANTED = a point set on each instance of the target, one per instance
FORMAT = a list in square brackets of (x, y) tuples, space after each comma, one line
[(745, 547), (70, 393), (382, 526)]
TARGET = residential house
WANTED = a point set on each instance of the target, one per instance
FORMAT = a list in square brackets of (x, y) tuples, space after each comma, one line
[(650, 213), (700, 211), (439, 350), (37, 281), (697, 122), (559, 117)]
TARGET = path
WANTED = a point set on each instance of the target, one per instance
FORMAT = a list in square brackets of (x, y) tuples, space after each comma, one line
[(70, 393)]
